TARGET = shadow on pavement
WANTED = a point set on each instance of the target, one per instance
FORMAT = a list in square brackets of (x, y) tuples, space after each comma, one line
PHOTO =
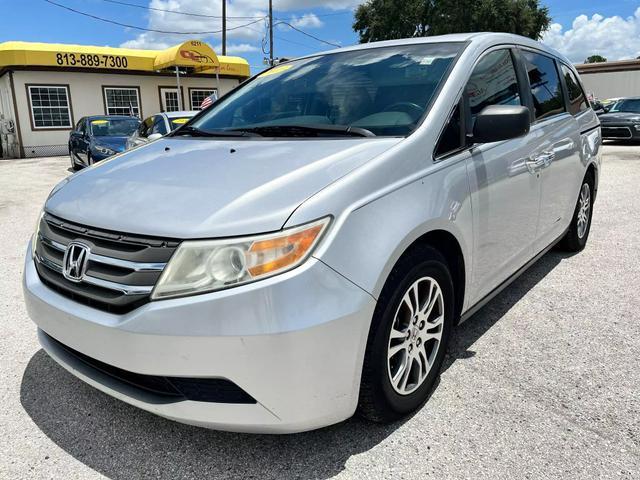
[(123, 442), (470, 331)]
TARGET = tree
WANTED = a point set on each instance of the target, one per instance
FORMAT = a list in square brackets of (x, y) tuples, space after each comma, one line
[(390, 19), (595, 59)]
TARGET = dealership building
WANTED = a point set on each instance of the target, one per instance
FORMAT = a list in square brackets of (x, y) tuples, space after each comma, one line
[(611, 79), (46, 88)]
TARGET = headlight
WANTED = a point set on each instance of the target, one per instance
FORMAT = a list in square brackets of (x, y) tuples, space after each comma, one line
[(34, 238), (104, 150), (200, 266), (637, 127)]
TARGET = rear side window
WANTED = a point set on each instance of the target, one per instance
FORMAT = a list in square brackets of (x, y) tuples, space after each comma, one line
[(545, 85), (493, 82), (577, 101)]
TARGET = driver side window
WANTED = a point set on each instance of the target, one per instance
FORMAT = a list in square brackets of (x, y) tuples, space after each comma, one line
[(493, 82)]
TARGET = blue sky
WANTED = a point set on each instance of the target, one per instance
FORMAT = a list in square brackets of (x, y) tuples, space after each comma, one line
[(614, 31)]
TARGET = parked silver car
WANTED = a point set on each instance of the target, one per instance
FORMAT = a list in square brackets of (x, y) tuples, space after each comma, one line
[(304, 248), (158, 125)]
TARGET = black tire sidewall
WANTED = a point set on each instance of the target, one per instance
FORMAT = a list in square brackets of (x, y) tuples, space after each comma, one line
[(402, 404)]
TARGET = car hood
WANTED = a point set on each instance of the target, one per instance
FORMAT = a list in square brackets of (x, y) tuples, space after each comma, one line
[(114, 143), (620, 117), (199, 188)]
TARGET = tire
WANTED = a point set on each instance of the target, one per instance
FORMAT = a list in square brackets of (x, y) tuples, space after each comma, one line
[(381, 397), (576, 237), (74, 165)]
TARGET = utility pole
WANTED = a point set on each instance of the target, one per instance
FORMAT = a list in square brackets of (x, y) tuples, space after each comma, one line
[(271, 33), (224, 27)]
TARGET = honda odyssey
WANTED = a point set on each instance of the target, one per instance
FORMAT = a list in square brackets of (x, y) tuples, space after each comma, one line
[(304, 248)]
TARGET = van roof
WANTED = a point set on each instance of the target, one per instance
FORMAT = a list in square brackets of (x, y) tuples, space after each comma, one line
[(488, 38)]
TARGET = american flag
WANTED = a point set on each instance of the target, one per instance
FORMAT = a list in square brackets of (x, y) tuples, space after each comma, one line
[(209, 100)]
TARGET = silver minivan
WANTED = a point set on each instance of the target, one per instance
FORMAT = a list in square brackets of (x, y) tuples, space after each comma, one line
[(303, 249)]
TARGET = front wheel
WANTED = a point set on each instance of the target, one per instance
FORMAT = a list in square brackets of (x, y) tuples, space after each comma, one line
[(576, 237), (408, 338)]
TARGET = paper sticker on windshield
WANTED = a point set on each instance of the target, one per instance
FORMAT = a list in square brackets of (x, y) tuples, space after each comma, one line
[(99, 122), (276, 70), (179, 121)]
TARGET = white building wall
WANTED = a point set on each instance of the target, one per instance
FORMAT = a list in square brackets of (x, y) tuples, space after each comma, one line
[(85, 90), (605, 85)]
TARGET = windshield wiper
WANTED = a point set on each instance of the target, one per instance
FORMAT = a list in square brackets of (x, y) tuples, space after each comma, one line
[(196, 132), (307, 130)]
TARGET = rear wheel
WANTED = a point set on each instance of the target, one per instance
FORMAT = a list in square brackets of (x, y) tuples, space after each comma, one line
[(576, 237), (409, 334)]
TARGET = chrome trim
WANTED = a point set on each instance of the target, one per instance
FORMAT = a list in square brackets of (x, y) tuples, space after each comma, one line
[(135, 266), (127, 290), (118, 287), (49, 264), (115, 262), (53, 244)]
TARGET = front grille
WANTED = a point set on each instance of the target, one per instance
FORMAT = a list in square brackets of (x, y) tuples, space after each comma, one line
[(616, 132), (170, 389), (122, 269)]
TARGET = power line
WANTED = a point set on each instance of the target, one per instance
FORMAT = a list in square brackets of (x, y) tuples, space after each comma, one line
[(282, 22), (204, 15), (135, 27), (177, 12)]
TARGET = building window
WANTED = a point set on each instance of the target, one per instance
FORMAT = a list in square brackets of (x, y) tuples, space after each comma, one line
[(50, 107), (122, 101), (199, 94)]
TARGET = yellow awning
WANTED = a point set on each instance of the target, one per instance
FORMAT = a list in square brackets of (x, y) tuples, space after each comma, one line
[(194, 55)]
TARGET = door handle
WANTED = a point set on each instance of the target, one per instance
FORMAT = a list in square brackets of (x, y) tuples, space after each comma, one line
[(535, 163)]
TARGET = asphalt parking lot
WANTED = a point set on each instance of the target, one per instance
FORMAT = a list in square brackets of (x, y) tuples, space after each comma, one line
[(544, 382)]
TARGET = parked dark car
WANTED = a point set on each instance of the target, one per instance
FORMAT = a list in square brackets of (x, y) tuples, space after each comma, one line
[(98, 137), (622, 120)]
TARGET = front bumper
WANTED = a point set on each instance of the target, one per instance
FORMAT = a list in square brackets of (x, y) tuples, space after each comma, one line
[(294, 342)]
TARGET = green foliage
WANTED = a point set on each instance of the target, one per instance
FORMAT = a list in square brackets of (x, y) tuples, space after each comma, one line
[(390, 19), (595, 59)]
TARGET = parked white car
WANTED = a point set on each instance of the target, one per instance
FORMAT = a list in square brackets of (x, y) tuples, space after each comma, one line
[(158, 125)]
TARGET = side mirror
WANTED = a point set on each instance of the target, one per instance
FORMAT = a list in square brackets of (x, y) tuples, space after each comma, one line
[(501, 122), (597, 106), (154, 136)]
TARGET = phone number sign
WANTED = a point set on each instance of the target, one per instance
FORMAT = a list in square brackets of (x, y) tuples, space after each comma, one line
[(92, 60)]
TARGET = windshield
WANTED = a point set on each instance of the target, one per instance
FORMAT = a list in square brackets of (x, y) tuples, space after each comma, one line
[(384, 90), (629, 105), (114, 127)]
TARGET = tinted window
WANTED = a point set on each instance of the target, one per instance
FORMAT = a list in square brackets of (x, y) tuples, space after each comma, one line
[(577, 100), (493, 82), (631, 105), (145, 127), (385, 90), (159, 126), (452, 138), (545, 85), (114, 127)]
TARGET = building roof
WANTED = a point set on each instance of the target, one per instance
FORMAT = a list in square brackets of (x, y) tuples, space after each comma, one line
[(617, 66), (193, 55)]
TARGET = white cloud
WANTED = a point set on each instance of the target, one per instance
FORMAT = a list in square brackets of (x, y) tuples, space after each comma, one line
[(237, 48), (308, 20), (615, 38), (249, 35)]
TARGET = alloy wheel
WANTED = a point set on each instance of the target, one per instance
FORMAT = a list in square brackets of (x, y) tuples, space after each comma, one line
[(416, 335), (584, 209)]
